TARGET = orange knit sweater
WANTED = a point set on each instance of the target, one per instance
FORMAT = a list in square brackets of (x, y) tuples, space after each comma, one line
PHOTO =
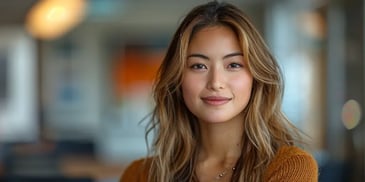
[(289, 164)]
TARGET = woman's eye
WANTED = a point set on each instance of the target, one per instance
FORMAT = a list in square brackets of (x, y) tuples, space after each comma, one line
[(235, 65), (198, 66)]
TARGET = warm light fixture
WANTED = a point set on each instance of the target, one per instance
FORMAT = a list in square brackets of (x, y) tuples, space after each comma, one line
[(49, 19), (351, 114)]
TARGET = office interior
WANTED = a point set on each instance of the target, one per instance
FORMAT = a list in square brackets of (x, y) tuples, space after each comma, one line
[(75, 94)]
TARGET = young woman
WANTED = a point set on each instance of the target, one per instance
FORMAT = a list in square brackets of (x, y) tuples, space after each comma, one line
[(218, 111)]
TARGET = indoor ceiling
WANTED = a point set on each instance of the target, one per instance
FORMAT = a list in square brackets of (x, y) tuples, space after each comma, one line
[(14, 11), (140, 11)]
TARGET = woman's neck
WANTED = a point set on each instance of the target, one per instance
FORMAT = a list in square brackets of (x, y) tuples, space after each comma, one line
[(221, 145), (221, 140)]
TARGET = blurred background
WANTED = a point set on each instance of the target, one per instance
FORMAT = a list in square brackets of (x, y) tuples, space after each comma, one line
[(76, 77)]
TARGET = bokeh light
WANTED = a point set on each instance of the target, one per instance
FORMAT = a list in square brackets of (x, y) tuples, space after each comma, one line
[(351, 114), (50, 19)]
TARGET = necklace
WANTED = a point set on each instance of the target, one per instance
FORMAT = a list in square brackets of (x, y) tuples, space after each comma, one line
[(223, 173)]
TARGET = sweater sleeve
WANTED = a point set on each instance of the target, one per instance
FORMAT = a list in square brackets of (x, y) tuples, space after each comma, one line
[(135, 172), (292, 164)]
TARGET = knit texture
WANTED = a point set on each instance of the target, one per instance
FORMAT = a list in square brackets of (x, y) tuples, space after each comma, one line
[(289, 164), (292, 164)]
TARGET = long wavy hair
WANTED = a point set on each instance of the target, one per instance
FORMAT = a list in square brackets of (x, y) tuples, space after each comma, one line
[(176, 130)]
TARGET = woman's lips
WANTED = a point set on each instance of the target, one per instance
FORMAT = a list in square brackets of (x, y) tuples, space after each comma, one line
[(216, 100)]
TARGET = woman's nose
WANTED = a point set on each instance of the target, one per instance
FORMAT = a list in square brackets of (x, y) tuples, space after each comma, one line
[(215, 79)]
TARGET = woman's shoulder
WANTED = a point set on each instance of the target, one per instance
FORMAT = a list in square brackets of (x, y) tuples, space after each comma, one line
[(137, 171), (286, 152), (292, 163)]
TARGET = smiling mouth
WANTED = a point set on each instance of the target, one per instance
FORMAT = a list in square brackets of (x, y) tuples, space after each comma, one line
[(216, 101)]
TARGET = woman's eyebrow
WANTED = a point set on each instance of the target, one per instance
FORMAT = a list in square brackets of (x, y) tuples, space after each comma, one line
[(198, 56), (233, 54), (207, 58)]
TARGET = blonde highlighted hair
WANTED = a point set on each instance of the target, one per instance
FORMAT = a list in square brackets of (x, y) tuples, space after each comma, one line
[(177, 133)]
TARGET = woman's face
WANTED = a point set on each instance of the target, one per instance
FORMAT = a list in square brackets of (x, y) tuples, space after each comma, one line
[(216, 83)]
